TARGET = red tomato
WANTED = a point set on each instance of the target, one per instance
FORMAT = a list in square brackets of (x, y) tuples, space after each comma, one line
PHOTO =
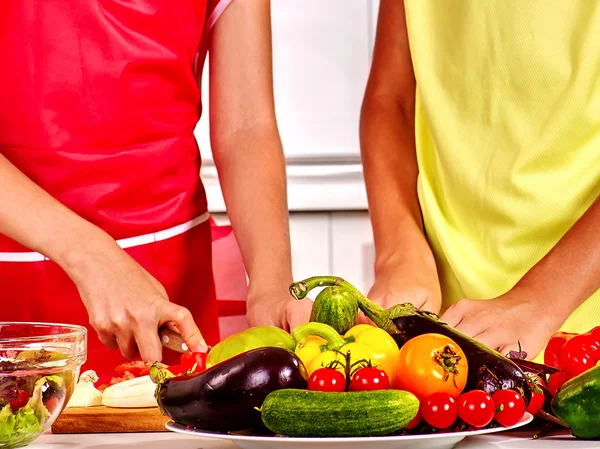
[(21, 401), (576, 355), (415, 421), (135, 368), (327, 379), (556, 381), (439, 410), (476, 408), (552, 354), (510, 407), (536, 403), (369, 378), (126, 376), (188, 360)]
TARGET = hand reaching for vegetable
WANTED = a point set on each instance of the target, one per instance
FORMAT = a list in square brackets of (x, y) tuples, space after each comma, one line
[(276, 308), (404, 282), (126, 305), (505, 322)]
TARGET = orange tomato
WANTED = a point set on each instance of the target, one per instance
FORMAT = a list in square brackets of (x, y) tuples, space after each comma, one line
[(431, 363)]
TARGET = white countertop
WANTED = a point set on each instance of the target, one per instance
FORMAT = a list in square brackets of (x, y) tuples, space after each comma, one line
[(168, 440)]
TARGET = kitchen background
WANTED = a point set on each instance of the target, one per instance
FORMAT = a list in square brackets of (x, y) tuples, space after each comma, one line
[(321, 57)]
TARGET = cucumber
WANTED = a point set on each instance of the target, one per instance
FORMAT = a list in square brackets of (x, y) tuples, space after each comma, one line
[(305, 413), (336, 307)]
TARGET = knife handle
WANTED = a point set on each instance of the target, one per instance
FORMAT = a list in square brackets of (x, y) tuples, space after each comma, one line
[(172, 340)]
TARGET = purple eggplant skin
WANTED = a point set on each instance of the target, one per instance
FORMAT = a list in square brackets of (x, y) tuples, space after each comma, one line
[(226, 396), (488, 369)]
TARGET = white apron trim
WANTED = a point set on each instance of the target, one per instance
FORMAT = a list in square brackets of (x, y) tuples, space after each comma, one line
[(123, 243)]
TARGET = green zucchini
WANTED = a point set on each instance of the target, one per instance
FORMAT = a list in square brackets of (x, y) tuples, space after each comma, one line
[(304, 413), (577, 404), (336, 307)]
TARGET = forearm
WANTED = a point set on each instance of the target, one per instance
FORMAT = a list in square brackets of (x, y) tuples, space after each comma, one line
[(391, 172), (252, 174), (570, 272), (32, 217)]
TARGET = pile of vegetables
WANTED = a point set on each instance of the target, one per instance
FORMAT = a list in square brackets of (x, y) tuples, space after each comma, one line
[(409, 374)]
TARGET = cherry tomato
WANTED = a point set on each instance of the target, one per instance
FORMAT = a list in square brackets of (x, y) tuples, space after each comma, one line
[(415, 421), (476, 408), (439, 410), (421, 369), (536, 403), (21, 401), (576, 355), (556, 381), (552, 353), (188, 359), (369, 378), (327, 379), (510, 407)]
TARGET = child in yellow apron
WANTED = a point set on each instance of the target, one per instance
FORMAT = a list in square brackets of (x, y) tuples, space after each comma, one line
[(507, 136)]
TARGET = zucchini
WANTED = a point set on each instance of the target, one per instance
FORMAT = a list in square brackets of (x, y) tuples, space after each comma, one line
[(337, 307), (305, 413)]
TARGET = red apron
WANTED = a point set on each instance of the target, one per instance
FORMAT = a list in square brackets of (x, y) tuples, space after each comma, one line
[(100, 99)]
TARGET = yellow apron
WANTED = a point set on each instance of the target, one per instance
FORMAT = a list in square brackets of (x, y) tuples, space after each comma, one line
[(507, 134)]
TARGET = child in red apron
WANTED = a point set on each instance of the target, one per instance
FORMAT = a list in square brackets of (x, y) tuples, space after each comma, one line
[(99, 103)]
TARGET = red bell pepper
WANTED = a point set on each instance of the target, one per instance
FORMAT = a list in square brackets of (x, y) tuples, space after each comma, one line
[(187, 362), (572, 354)]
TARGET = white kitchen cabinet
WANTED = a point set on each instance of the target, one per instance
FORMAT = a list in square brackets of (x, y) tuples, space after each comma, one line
[(330, 243), (352, 248)]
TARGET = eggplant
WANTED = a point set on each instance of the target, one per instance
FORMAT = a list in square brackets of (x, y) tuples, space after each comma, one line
[(488, 369), (227, 396)]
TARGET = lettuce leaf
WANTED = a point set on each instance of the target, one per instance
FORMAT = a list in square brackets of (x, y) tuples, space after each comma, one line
[(19, 428)]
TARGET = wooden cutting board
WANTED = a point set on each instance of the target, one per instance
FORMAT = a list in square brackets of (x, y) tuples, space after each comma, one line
[(110, 420)]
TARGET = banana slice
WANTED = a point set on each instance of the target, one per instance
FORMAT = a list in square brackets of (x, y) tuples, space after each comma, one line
[(134, 393)]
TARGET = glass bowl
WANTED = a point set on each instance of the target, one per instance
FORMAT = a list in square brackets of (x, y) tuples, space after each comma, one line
[(39, 367)]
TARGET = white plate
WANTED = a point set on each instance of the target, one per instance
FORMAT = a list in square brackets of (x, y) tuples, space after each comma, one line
[(436, 440)]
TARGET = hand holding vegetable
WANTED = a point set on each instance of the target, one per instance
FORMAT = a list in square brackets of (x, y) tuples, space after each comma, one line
[(276, 308), (408, 281), (504, 322)]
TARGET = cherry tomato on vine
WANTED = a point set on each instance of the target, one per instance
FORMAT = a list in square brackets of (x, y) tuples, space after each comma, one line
[(476, 408), (536, 403), (510, 407), (439, 410), (431, 363), (369, 378), (327, 379)]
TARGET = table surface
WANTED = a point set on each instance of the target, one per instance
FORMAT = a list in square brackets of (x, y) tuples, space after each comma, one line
[(168, 440)]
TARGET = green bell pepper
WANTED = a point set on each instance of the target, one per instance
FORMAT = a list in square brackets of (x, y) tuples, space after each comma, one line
[(577, 404), (252, 338)]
